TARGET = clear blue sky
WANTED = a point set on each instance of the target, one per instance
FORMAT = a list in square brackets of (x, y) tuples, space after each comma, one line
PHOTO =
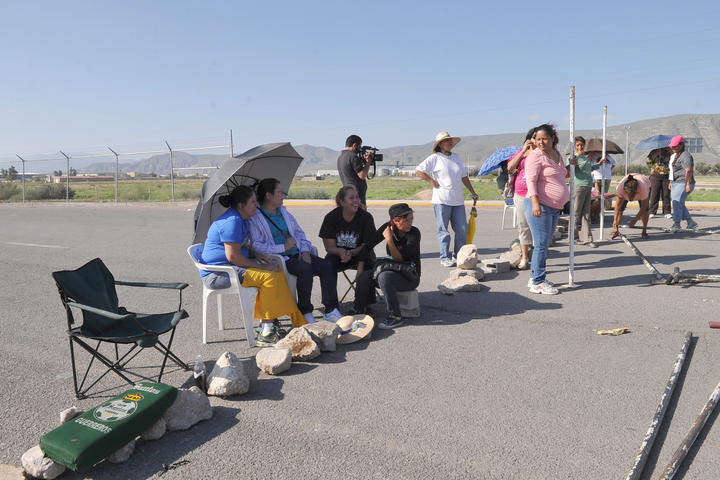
[(80, 75)]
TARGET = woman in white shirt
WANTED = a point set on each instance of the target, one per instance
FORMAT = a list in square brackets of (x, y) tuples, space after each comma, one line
[(446, 173)]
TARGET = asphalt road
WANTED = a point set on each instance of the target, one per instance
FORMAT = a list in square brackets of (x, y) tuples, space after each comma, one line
[(499, 384)]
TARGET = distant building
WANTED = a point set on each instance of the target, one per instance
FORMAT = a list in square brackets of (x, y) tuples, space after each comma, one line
[(84, 178), (327, 173)]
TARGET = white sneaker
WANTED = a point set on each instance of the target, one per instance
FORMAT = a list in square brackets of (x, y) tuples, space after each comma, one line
[(309, 317), (652, 215), (544, 288), (675, 227), (333, 316), (668, 215), (530, 284), (449, 262), (692, 224)]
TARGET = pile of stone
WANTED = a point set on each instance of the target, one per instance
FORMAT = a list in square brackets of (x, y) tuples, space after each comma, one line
[(472, 270), (190, 407), (467, 277), (301, 344)]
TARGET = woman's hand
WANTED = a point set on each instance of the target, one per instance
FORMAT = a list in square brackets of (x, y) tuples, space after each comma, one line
[(290, 242), (345, 256), (305, 256), (536, 210), (573, 160), (265, 262)]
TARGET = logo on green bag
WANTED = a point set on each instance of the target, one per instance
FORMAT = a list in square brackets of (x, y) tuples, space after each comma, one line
[(115, 410)]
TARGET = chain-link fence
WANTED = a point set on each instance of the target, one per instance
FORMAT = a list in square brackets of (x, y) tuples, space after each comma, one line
[(175, 172)]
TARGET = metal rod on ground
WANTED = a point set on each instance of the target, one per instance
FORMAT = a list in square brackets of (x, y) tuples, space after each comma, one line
[(172, 174), (67, 175), (602, 173), (682, 451), (571, 222), (679, 277), (117, 170), (647, 263), (647, 444), (23, 175)]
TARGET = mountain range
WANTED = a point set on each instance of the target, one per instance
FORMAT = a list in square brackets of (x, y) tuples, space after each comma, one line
[(473, 149)]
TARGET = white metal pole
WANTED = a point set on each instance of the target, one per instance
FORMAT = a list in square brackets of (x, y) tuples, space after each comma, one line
[(602, 173), (23, 174), (117, 170), (571, 221), (172, 173), (67, 176)]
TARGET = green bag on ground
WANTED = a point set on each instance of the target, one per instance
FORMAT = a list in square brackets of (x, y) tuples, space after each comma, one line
[(89, 438)]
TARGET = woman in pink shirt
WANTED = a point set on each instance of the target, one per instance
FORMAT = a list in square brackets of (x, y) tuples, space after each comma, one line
[(545, 174)]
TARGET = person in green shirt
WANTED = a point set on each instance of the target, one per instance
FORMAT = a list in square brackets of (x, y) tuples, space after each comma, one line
[(583, 192)]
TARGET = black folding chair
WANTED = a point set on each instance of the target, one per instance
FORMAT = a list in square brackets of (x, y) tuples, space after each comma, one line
[(91, 289)]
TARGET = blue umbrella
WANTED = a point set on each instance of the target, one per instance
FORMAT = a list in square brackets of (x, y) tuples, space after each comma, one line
[(657, 141), (500, 155)]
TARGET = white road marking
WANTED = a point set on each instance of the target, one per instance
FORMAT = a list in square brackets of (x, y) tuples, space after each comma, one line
[(32, 245)]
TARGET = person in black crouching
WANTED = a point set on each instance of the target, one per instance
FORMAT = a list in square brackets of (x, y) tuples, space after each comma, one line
[(400, 271)]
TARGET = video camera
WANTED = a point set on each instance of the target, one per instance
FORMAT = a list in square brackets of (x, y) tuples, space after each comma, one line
[(372, 154)]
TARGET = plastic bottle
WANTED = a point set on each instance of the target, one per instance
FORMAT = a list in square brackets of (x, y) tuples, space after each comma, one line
[(199, 373)]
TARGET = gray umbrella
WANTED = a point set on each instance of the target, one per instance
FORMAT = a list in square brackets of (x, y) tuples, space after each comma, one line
[(276, 160)]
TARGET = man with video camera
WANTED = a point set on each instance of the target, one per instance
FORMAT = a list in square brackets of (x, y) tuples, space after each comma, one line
[(354, 167)]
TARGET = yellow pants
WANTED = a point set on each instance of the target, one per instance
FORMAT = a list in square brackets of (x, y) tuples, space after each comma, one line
[(274, 298)]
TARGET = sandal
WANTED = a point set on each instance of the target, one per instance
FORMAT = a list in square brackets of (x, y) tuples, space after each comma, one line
[(614, 235), (644, 235), (523, 265)]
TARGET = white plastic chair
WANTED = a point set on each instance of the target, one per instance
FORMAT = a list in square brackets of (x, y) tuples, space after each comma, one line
[(247, 295), (509, 204)]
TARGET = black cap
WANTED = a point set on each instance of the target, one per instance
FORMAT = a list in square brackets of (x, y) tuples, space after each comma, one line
[(399, 210)]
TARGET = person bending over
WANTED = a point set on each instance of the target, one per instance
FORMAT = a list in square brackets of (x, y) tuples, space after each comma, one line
[(632, 187)]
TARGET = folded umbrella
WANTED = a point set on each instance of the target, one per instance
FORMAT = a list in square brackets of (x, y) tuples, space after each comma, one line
[(471, 224), (656, 141), (595, 145), (499, 156)]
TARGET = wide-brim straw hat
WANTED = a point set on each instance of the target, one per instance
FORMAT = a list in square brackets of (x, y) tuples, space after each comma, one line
[(354, 328), (443, 136)]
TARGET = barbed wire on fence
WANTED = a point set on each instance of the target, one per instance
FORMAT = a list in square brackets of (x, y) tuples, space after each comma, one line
[(67, 160)]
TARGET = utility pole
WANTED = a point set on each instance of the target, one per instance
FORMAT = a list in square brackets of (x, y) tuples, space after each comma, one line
[(23, 174), (117, 169), (67, 176), (172, 173)]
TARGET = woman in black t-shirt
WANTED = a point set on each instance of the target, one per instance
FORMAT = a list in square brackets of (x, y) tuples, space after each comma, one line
[(345, 231), (402, 243)]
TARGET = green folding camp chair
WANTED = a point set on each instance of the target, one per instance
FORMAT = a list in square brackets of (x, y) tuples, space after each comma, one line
[(91, 289)]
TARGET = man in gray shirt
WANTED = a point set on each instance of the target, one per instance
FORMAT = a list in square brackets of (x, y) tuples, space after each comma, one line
[(352, 168)]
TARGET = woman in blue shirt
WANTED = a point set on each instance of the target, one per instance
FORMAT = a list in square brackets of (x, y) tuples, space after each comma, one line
[(228, 243)]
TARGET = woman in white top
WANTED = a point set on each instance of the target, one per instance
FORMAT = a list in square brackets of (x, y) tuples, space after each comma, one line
[(446, 173)]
